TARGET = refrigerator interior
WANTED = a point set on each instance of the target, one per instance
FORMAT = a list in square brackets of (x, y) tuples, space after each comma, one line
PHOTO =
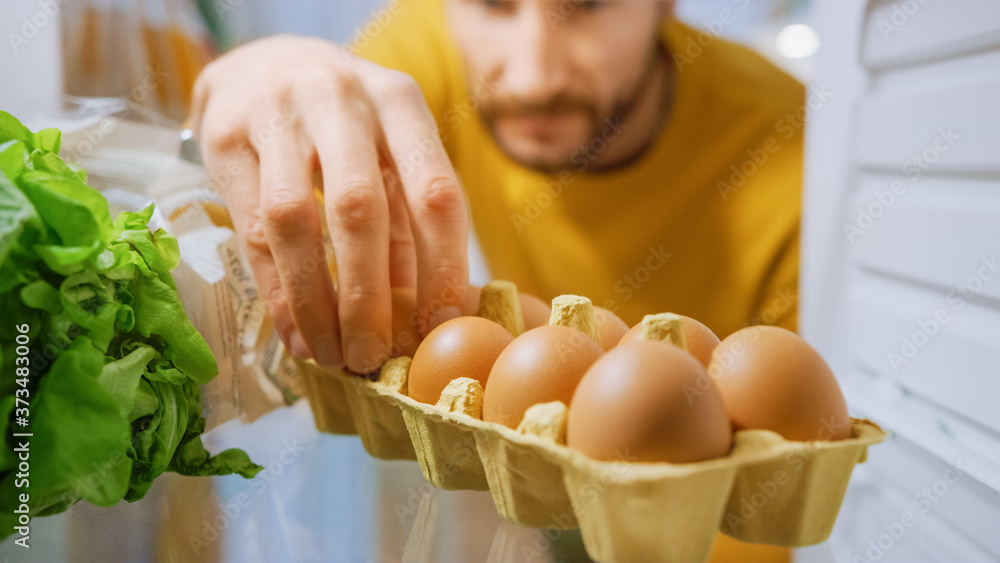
[(900, 284)]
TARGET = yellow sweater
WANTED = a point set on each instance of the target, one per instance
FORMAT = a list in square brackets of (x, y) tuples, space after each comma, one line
[(704, 224)]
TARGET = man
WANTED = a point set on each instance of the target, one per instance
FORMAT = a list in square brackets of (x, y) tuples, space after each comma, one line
[(602, 147)]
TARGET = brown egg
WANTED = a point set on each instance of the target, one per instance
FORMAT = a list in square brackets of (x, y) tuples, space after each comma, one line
[(700, 339), (772, 379), (544, 364), (460, 347), (405, 337), (610, 328), (536, 312), (648, 401)]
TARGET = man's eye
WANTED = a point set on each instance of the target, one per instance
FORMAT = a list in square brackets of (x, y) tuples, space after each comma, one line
[(568, 6), (499, 6)]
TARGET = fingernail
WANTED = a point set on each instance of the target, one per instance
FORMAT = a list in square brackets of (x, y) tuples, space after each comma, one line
[(445, 314), (365, 353), (297, 346), (327, 350)]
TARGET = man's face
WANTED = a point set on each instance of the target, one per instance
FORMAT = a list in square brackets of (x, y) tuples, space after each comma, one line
[(559, 68)]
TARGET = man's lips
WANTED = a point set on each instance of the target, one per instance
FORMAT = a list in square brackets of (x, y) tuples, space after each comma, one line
[(538, 124)]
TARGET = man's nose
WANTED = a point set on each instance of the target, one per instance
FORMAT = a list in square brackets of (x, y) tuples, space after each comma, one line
[(535, 67)]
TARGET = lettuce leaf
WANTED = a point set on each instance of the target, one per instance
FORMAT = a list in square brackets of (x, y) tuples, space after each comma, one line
[(115, 397), (158, 311), (16, 212), (12, 129), (76, 212), (77, 430), (191, 458)]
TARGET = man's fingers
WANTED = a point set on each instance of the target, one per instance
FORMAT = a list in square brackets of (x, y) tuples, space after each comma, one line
[(402, 249), (358, 214), (294, 235), (441, 231), (269, 282), (435, 199), (238, 179), (199, 99)]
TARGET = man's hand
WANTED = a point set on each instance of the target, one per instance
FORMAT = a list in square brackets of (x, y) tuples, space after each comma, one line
[(270, 114)]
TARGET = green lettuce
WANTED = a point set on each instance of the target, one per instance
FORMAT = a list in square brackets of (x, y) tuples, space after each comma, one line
[(116, 367)]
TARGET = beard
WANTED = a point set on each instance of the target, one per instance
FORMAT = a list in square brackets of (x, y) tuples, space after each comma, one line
[(596, 118)]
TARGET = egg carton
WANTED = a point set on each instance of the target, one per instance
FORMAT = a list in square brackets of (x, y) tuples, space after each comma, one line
[(766, 490)]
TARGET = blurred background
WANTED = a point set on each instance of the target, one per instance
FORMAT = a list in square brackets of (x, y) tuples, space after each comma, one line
[(891, 91), (110, 47)]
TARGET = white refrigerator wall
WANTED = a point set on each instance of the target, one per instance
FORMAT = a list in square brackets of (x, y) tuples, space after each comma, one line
[(30, 58), (900, 280)]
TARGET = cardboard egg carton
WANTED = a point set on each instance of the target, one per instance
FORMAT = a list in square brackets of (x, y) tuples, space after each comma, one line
[(766, 490)]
